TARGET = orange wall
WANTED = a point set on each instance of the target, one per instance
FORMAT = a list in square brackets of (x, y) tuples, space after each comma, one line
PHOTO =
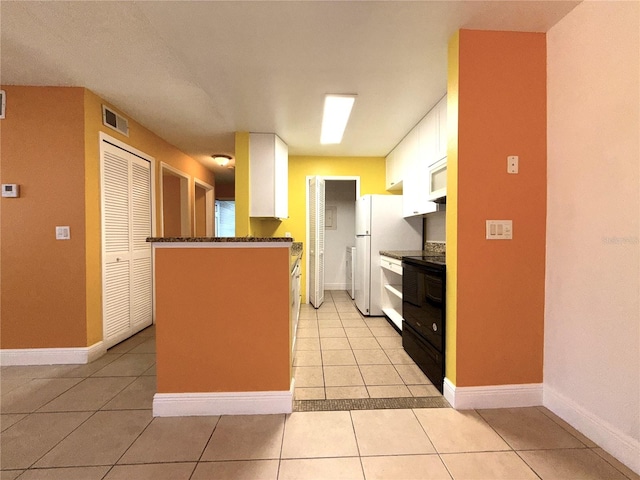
[(500, 284), (171, 210), (51, 291), (43, 279), (222, 319)]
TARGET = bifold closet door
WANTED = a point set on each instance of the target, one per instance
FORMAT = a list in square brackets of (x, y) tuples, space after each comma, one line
[(127, 262), (316, 241)]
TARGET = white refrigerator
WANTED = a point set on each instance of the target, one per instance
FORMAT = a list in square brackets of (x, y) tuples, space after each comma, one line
[(380, 226)]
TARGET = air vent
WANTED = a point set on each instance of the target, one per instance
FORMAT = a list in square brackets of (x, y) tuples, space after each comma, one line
[(112, 120)]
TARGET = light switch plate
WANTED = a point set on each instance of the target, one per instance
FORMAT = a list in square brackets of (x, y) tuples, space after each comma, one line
[(512, 164), (10, 190), (499, 230), (63, 233)]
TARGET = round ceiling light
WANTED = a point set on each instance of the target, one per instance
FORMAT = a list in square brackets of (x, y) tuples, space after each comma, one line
[(221, 159)]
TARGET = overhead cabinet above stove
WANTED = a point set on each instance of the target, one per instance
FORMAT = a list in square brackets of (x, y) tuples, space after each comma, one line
[(268, 173)]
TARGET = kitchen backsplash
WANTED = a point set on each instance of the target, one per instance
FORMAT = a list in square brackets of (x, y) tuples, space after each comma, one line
[(435, 229), (435, 247)]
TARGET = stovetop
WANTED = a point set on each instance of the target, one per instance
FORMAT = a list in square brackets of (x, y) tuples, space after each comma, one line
[(435, 260)]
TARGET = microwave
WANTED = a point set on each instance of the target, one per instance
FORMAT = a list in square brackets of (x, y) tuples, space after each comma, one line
[(437, 176)]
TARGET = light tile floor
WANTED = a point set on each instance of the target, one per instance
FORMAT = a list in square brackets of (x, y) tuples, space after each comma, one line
[(94, 422), (342, 355)]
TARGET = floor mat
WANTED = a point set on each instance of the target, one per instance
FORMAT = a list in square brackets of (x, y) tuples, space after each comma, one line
[(369, 404)]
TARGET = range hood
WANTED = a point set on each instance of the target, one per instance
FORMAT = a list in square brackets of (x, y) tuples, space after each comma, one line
[(437, 205)]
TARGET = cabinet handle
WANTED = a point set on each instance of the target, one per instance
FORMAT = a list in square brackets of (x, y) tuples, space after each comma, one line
[(435, 327), (415, 211)]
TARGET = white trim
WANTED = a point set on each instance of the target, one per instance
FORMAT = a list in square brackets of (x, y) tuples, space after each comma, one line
[(51, 356), (222, 403), (493, 396), (617, 443)]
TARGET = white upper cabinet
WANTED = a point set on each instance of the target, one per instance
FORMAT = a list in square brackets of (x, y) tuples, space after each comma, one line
[(269, 176), (394, 171), (441, 113), (427, 145)]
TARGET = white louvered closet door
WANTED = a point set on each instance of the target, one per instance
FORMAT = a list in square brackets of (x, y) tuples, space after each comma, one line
[(127, 265), (316, 241)]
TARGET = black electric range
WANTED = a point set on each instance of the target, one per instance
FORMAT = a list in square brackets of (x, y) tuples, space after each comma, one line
[(424, 313), (436, 261)]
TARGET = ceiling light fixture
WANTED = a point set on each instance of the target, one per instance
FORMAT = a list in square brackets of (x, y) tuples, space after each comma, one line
[(337, 109), (221, 159)]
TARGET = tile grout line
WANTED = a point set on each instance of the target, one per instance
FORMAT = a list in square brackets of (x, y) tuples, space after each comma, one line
[(204, 449)]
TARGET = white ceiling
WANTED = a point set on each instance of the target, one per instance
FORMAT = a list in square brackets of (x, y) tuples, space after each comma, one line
[(194, 72)]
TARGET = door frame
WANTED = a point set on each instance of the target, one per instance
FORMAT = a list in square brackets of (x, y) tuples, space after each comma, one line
[(355, 178), (103, 137), (185, 196), (209, 208)]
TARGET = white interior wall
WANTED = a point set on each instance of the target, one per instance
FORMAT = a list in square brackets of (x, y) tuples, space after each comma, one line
[(435, 227), (340, 194), (592, 312)]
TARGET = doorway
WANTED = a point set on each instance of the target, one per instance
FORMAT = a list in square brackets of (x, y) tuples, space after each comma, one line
[(174, 193), (204, 209), (339, 195)]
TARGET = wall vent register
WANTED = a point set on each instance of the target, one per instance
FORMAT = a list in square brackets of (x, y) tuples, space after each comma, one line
[(112, 120)]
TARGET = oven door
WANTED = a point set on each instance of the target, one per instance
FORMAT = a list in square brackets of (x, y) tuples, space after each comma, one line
[(423, 302)]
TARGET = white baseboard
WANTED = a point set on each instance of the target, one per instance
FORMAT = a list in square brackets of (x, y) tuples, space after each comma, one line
[(222, 403), (493, 396), (51, 356), (611, 439)]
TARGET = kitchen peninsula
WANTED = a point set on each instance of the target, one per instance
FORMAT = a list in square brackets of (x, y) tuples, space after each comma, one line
[(224, 324)]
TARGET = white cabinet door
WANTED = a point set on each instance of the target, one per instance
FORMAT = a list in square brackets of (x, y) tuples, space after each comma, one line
[(441, 110), (127, 264), (413, 186), (417, 186), (394, 171), (269, 176)]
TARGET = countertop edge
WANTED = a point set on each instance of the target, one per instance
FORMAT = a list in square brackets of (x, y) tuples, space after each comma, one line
[(219, 239)]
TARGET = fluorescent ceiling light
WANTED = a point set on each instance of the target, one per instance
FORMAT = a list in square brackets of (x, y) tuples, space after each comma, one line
[(337, 109)]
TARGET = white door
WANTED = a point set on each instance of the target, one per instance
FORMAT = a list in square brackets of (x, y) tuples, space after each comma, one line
[(316, 241), (127, 295), (362, 273)]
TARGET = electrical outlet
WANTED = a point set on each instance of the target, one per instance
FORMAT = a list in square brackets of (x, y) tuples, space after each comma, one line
[(63, 233)]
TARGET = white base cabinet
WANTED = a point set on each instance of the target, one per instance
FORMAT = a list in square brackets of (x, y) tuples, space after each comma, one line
[(391, 273)]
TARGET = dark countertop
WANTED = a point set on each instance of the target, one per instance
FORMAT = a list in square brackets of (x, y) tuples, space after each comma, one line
[(431, 249), (222, 239), (398, 254)]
